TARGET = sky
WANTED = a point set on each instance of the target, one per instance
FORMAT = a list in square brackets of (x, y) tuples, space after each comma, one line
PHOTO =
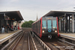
[(31, 9)]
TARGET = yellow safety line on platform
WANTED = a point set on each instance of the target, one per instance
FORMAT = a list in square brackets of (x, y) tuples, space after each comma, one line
[(68, 34), (3, 36), (6, 34)]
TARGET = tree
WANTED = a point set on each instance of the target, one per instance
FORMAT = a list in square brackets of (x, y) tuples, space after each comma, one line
[(27, 24)]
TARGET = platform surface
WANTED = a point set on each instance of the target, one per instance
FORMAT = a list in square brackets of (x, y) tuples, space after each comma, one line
[(3, 35), (6, 36), (68, 35)]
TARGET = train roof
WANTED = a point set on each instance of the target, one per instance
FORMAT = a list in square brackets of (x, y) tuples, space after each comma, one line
[(59, 13), (36, 21), (13, 14)]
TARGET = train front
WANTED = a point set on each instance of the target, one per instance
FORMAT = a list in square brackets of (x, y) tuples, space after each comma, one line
[(49, 27)]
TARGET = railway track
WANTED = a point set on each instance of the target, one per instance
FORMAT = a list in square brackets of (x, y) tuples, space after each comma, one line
[(5, 47), (55, 44), (21, 43), (25, 42), (28, 41), (40, 45)]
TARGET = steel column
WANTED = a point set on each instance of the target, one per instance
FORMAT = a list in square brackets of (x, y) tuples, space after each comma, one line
[(73, 23), (69, 24)]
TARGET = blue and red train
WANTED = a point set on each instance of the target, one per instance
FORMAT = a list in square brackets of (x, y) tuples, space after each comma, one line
[(46, 26)]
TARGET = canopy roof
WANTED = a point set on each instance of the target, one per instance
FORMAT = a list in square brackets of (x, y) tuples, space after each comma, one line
[(13, 14), (59, 13)]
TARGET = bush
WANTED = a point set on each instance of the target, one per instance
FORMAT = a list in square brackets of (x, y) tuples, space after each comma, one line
[(27, 24)]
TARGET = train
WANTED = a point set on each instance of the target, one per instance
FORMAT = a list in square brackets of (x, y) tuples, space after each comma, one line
[(46, 27)]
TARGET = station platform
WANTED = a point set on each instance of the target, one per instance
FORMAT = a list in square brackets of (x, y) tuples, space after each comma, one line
[(6, 36), (70, 36)]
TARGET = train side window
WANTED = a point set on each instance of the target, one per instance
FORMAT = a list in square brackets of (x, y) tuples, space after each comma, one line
[(39, 26)]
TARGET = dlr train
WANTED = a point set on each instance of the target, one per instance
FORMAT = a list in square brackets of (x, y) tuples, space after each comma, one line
[(46, 26)]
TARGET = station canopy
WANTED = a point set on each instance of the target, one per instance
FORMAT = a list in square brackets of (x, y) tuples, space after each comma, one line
[(59, 13), (12, 15)]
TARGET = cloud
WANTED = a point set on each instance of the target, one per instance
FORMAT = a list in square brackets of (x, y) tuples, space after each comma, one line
[(14, 0), (30, 8)]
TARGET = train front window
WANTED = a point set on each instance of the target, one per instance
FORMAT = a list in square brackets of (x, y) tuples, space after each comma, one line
[(49, 24), (44, 24), (54, 24)]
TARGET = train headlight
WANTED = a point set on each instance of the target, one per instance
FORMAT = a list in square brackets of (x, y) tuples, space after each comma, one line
[(55, 31), (43, 31)]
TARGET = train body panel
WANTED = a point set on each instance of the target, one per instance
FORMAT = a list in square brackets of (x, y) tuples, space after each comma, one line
[(41, 28), (46, 26)]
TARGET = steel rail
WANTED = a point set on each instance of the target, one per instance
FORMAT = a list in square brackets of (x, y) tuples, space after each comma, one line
[(9, 42), (28, 44), (42, 43), (17, 43), (33, 42), (67, 42)]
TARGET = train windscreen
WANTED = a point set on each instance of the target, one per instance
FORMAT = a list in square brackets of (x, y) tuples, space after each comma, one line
[(44, 24), (49, 24), (54, 24)]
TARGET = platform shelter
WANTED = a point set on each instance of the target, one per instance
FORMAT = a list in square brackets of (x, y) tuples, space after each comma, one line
[(66, 20), (11, 18)]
